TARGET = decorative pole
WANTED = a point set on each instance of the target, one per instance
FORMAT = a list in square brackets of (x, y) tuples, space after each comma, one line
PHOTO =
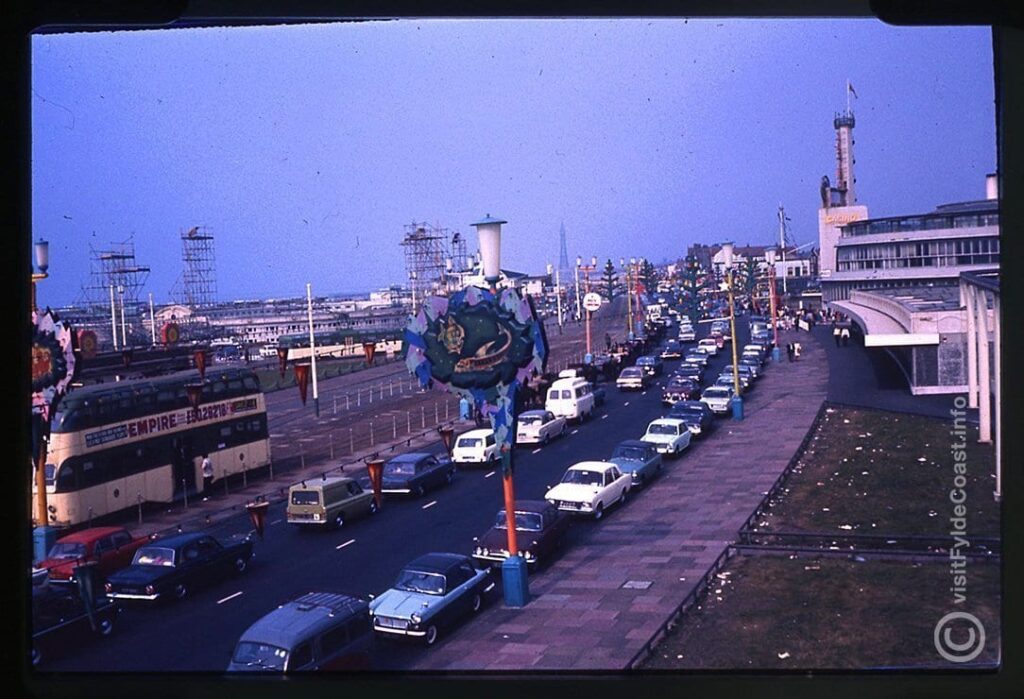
[(579, 310), (312, 348), (152, 320), (737, 401), (113, 317), (770, 257)]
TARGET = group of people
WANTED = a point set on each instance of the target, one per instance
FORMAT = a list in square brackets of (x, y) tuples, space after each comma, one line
[(840, 334), (793, 350)]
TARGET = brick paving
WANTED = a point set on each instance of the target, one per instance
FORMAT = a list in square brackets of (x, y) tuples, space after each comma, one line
[(580, 617)]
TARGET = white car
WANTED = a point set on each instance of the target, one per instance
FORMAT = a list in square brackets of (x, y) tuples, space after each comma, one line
[(708, 345), (687, 334), (718, 398), (538, 427), (476, 447), (669, 435), (590, 487)]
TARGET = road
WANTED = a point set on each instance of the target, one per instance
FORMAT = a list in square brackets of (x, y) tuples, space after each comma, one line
[(199, 633)]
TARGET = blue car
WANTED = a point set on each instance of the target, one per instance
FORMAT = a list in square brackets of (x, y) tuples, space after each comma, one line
[(431, 592), (639, 459)]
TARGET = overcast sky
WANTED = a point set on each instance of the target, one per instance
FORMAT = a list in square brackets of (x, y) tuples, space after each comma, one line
[(306, 149)]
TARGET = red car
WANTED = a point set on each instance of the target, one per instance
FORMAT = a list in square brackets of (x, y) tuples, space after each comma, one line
[(111, 547)]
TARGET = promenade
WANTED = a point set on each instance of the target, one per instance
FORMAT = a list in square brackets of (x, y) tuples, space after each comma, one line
[(598, 603)]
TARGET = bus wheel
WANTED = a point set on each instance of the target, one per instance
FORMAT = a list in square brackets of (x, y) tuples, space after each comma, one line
[(240, 565)]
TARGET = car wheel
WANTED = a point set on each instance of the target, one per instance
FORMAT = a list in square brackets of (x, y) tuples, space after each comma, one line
[(431, 636), (622, 498), (105, 627), (450, 477), (546, 440), (373, 507), (240, 565), (419, 491), (37, 657), (181, 591), (339, 520), (477, 602), (598, 511)]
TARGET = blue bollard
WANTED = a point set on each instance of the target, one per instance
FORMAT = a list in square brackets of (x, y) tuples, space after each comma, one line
[(737, 408), (43, 539), (515, 581), (776, 354), (588, 358)]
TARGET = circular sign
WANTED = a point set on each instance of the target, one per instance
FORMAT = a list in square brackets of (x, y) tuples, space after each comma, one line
[(170, 333), (87, 343), (592, 301)]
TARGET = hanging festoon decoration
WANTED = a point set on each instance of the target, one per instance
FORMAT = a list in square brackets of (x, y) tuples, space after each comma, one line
[(126, 356), (375, 470), (87, 344), (479, 345), (53, 361), (199, 356), (302, 379), (282, 359), (170, 334), (369, 348)]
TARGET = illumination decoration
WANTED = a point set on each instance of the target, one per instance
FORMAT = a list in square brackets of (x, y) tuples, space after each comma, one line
[(199, 356), (302, 379), (369, 348), (53, 361), (87, 344), (170, 334)]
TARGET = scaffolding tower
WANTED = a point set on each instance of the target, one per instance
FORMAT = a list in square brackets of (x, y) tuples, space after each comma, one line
[(114, 269), (433, 255), (197, 285)]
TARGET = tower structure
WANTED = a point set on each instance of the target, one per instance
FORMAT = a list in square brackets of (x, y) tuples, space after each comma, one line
[(115, 269), (425, 259), (563, 254), (845, 194), (197, 285)]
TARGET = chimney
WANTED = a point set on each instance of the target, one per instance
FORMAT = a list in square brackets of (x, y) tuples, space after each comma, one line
[(992, 185)]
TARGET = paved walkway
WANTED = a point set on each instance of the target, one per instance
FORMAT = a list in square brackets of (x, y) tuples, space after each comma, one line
[(580, 617)]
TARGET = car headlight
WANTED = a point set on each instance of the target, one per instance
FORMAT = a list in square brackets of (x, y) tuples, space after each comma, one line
[(485, 552), (416, 618), (478, 550), (634, 474), (149, 589)]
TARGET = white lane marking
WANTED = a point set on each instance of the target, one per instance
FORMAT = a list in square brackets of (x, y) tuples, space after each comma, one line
[(276, 521), (605, 416), (535, 451), (347, 543), (644, 393), (429, 504), (222, 601), (309, 439), (625, 404), (490, 474), (574, 431)]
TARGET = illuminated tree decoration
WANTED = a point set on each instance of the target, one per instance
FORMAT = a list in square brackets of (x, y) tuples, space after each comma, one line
[(480, 346), (53, 361)]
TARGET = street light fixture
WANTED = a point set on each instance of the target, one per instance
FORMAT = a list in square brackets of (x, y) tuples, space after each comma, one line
[(737, 401), (587, 269), (769, 255)]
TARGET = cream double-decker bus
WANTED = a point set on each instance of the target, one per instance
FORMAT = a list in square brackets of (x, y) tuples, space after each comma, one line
[(115, 445)]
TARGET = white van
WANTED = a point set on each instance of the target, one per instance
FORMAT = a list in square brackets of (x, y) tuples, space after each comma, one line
[(571, 398), (475, 447)]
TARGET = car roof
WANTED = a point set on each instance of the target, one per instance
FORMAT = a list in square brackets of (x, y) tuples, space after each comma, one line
[(177, 540), (412, 456), (590, 466), (482, 432), (313, 483), (437, 562), (531, 506), (86, 535), (666, 421), (305, 616), (633, 443)]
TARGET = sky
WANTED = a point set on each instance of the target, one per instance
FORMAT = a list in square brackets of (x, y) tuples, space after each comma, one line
[(306, 149)]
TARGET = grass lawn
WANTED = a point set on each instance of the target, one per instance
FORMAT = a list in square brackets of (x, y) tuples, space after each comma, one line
[(875, 472), (270, 379), (776, 612)]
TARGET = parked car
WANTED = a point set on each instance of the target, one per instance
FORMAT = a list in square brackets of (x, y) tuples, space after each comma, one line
[(60, 620), (746, 375), (652, 365), (708, 345), (696, 356), (759, 349), (679, 388), (172, 567), (112, 548), (476, 447), (415, 473), (430, 593), (571, 398), (672, 350), (687, 333), (632, 377), (639, 459), (540, 529), (315, 631), (726, 379), (717, 398), (589, 487), (696, 415), (669, 435), (753, 355), (752, 364), (328, 502), (538, 427)]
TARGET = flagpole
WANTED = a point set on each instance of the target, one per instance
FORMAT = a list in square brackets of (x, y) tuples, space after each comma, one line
[(847, 95)]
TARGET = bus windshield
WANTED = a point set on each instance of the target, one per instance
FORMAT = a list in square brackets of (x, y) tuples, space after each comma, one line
[(261, 655)]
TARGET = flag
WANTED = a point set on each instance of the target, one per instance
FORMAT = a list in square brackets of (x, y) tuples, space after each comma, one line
[(849, 86)]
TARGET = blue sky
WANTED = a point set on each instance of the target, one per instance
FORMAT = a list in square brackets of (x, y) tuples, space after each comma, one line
[(306, 149)]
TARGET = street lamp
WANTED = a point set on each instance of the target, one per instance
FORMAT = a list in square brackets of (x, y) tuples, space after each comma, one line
[(312, 348), (579, 310), (46, 535), (737, 401), (587, 269), (769, 255)]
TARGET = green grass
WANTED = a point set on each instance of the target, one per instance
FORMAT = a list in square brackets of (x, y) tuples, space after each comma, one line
[(874, 472), (768, 612), (271, 379)]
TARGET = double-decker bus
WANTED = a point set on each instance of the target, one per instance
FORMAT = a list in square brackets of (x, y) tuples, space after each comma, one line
[(114, 445), (341, 343)]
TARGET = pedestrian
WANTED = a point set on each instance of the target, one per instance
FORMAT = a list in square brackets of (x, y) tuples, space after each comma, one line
[(796, 351), (846, 336), (607, 342), (835, 333), (789, 351), (207, 475)]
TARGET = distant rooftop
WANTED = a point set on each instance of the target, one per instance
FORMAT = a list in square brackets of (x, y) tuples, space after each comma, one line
[(918, 299)]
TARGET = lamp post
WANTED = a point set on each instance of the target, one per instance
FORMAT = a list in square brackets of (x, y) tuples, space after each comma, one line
[(312, 347), (45, 535), (579, 309), (587, 269), (737, 401), (769, 255)]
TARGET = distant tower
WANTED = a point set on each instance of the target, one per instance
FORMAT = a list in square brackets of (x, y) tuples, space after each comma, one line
[(197, 285), (845, 180), (563, 254), (115, 268)]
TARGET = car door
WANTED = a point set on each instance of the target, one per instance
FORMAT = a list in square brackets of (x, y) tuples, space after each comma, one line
[(620, 481), (102, 553), (122, 554), (212, 561), (359, 498)]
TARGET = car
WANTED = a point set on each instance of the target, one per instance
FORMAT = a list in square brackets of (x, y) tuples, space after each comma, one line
[(720, 326), (672, 350), (686, 370), (754, 347), (687, 333), (708, 345), (632, 377), (328, 502), (639, 459), (717, 398), (669, 435), (414, 473), (697, 356), (315, 631), (171, 567), (719, 339), (744, 369), (726, 379), (752, 364), (476, 447), (430, 593), (651, 364), (571, 398), (112, 548), (589, 487), (539, 427), (60, 620), (679, 388), (753, 355), (696, 415), (540, 530)]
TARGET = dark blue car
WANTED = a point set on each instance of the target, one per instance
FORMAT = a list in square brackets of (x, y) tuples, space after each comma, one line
[(416, 473), (696, 414)]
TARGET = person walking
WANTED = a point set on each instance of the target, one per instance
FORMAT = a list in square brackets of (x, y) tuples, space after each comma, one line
[(789, 350), (846, 336), (835, 333), (207, 475), (796, 351), (607, 342)]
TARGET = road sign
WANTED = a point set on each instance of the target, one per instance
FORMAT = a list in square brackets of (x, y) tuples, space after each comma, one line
[(592, 301)]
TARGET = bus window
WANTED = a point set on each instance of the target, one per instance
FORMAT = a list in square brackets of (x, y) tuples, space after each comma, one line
[(251, 383), (66, 478), (235, 385), (219, 387)]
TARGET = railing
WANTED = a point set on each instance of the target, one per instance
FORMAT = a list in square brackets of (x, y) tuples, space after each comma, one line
[(924, 222), (983, 547)]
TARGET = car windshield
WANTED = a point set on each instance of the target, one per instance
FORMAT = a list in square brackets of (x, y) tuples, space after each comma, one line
[(631, 453), (716, 393), (399, 468), (662, 428), (305, 497), (531, 420), (645, 361), (630, 371), (262, 655), (411, 580), (67, 550), (154, 556), (525, 521), (583, 477), (468, 442), (686, 413)]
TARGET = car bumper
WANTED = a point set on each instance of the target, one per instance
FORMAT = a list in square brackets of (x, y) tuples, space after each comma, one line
[(527, 438), (631, 385), (400, 632), (128, 595), (718, 409), (665, 448), (304, 521), (398, 491), (571, 506)]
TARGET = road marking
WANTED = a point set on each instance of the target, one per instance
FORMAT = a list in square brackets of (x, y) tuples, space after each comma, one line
[(228, 597), (429, 504), (535, 451), (347, 543), (625, 404), (605, 416), (276, 521), (644, 393), (490, 474), (574, 431)]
